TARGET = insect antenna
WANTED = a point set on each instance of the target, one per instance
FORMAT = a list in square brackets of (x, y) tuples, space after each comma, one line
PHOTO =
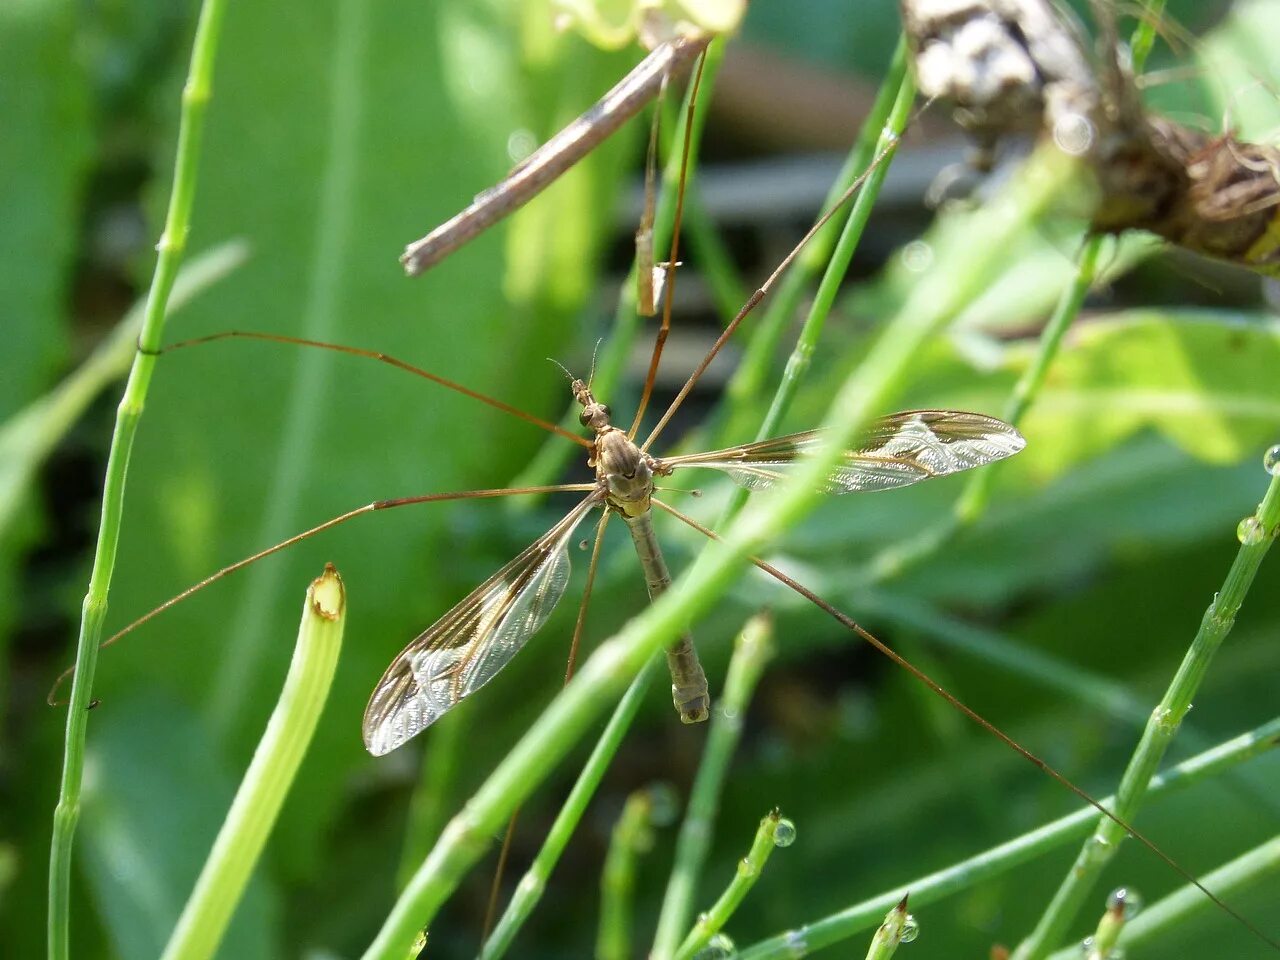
[(52, 698), (387, 359), (849, 623)]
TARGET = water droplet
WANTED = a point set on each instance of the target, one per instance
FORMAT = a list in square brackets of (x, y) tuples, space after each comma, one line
[(1271, 460), (1250, 531), (727, 711), (784, 834), (797, 943), (717, 948), (1164, 718), (520, 144), (1086, 946), (917, 256), (910, 929), (1128, 900), (1074, 134)]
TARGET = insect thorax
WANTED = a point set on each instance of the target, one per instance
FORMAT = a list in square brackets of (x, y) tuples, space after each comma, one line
[(626, 471)]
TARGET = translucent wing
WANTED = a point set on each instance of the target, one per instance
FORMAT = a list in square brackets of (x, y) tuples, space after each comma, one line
[(464, 649), (897, 450)]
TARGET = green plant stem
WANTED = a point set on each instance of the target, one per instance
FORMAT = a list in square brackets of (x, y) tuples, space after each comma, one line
[(173, 241), (933, 301), (632, 835), (884, 943), (551, 459), (1103, 942), (531, 886), (266, 783), (977, 492), (744, 878), (752, 651), (1160, 729), (933, 887), (748, 384), (1174, 911)]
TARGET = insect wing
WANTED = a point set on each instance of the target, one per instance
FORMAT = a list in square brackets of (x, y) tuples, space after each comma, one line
[(465, 649), (896, 451)]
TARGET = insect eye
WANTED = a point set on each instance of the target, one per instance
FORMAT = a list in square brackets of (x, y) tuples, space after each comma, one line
[(584, 418), (608, 413)]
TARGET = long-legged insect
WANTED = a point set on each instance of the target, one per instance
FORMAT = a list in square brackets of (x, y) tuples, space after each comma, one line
[(473, 641), (466, 647)]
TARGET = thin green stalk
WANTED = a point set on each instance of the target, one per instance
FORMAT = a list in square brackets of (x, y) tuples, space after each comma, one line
[(931, 888), (632, 835), (1102, 944), (752, 650), (933, 301), (1256, 534), (898, 927), (748, 384), (172, 245), (531, 886), (773, 831), (1176, 910), (551, 459), (271, 772)]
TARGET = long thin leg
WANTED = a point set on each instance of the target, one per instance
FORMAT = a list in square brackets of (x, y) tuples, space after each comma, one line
[(492, 909), (554, 157), (851, 624), (387, 359), (661, 339), (646, 298), (763, 290), (572, 663), (318, 528)]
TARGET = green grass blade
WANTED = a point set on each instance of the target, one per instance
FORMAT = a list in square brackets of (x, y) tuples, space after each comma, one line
[(266, 783), (195, 99), (774, 831)]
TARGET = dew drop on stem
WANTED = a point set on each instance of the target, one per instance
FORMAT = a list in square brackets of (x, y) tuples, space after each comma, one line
[(784, 834), (1271, 460), (910, 929)]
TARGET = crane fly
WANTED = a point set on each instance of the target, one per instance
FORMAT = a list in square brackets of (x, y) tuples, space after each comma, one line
[(467, 647)]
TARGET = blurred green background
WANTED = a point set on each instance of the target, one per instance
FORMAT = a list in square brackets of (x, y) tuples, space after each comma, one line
[(340, 130)]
